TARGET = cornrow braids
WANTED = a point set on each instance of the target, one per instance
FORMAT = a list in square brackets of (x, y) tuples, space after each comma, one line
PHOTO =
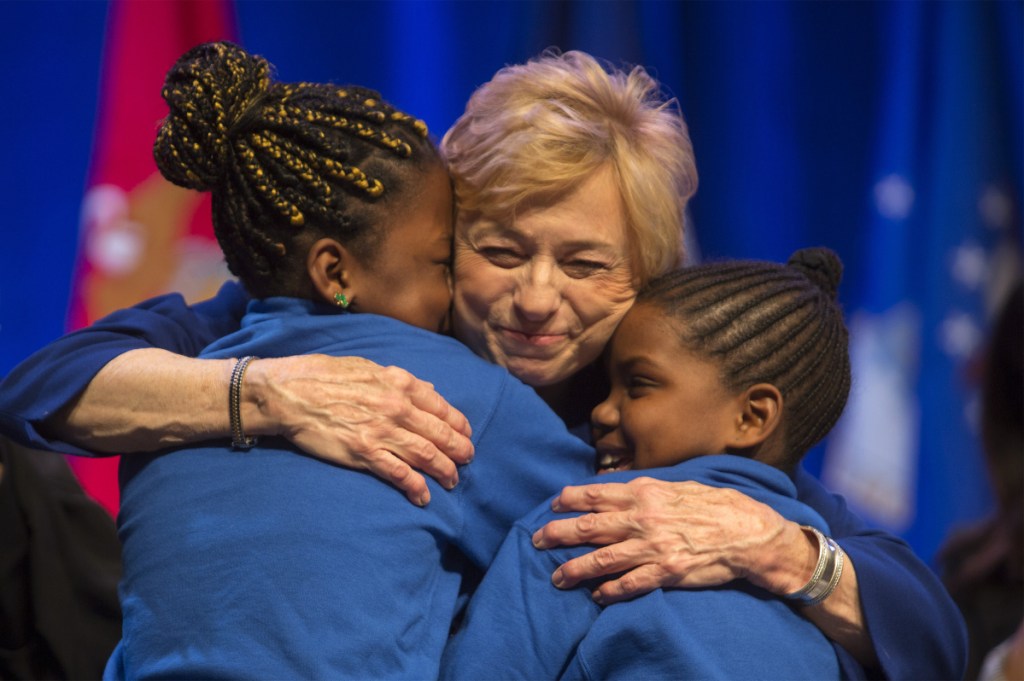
[(764, 322), (286, 163)]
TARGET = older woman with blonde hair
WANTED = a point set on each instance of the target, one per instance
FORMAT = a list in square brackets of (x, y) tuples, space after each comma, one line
[(571, 180), (572, 185)]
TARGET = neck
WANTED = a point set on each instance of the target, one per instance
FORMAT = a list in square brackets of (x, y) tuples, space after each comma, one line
[(557, 396), (772, 452), (575, 397)]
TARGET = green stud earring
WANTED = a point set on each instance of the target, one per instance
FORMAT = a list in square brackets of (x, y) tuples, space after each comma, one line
[(341, 301)]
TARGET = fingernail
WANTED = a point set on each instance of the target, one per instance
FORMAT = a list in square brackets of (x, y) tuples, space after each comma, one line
[(425, 499), (452, 482), (556, 505), (597, 596), (538, 540), (557, 579)]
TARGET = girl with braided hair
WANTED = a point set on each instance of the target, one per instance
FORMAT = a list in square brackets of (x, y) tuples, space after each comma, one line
[(725, 374), (316, 188), (245, 559)]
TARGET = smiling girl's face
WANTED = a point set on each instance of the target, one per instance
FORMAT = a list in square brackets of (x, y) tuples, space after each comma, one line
[(542, 292), (667, 403)]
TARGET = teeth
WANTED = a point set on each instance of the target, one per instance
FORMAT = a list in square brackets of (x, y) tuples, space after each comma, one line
[(612, 461)]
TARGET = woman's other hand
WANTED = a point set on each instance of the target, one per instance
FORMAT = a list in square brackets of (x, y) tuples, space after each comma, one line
[(688, 535), (353, 412), (675, 534)]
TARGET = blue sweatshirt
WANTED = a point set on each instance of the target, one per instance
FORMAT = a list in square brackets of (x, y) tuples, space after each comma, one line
[(519, 626), (271, 565)]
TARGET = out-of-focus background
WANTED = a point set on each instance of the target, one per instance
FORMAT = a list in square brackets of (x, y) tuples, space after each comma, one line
[(890, 131)]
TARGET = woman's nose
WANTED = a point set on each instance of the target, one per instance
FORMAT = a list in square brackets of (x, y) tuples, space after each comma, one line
[(537, 297)]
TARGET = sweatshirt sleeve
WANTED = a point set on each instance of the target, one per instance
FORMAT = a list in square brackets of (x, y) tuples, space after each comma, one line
[(916, 628), (518, 625), (524, 455), (52, 377)]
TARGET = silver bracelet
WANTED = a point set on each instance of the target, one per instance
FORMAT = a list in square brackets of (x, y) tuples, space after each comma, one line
[(239, 440), (833, 583), (827, 572)]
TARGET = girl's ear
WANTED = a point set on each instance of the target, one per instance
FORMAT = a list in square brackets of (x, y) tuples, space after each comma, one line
[(759, 415), (327, 265)]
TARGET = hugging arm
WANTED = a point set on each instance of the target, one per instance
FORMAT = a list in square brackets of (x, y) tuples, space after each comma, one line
[(915, 628), (683, 535), (39, 395), (130, 383)]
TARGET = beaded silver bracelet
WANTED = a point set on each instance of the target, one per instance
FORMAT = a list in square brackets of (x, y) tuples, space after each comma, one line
[(239, 440), (827, 572)]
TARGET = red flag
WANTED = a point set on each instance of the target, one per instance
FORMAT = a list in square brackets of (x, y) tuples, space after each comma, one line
[(140, 235)]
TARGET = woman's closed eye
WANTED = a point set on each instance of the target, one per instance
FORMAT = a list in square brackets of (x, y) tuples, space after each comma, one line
[(581, 268), (502, 256)]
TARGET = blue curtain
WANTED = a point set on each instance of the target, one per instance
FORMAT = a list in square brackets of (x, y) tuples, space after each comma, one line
[(889, 131)]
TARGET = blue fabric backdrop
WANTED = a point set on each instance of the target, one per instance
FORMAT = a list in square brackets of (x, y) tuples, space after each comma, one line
[(889, 131)]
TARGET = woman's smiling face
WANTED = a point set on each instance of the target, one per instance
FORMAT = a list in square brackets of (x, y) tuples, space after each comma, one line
[(541, 293)]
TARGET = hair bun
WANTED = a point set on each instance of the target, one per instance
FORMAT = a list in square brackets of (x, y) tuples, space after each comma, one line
[(820, 265), (208, 90)]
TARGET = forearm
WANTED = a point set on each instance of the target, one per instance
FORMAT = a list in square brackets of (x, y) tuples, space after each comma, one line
[(147, 399), (789, 565), (44, 389), (915, 628), (346, 410), (841, 618)]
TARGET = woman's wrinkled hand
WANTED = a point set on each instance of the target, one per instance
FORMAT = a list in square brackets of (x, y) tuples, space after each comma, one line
[(672, 534), (353, 412)]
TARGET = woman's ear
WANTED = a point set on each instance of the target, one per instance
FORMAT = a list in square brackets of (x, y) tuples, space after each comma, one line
[(759, 415), (327, 266)]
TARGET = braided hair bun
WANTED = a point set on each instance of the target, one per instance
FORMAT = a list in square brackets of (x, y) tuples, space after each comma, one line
[(209, 89), (286, 163), (764, 322), (821, 265)]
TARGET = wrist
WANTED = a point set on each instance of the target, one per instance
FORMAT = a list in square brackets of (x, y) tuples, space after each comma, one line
[(240, 439), (788, 562), (255, 389), (803, 568), (827, 572)]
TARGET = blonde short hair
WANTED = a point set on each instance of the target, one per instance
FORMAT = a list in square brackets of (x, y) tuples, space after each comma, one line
[(537, 129)]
